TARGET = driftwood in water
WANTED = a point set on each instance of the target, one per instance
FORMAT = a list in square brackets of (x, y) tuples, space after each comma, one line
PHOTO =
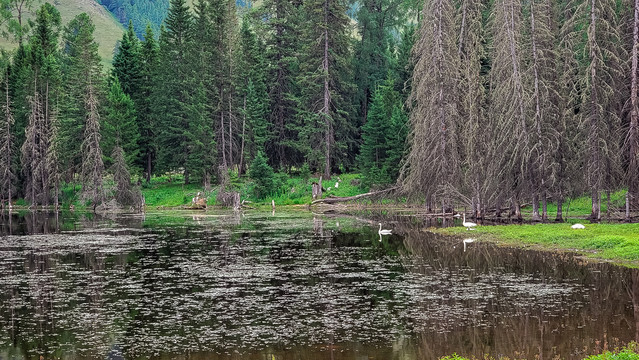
[(335, 199)]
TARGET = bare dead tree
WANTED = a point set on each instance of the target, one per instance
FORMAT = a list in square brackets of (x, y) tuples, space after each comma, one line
[(632, 138), (599, 87), (508, 116), (544, 108), (125, 194), (92, 165), (433, 163), (7, 176), (53, 159), (477, 170), (32, 160)]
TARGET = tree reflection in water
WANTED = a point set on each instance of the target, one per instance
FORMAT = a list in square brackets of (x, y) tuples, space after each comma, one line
[(258, 285)]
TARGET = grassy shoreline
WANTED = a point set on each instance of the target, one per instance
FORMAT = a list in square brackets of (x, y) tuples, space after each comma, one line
[(617, 243)]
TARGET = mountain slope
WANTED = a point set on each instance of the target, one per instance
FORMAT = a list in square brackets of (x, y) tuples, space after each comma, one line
[(107, 29)]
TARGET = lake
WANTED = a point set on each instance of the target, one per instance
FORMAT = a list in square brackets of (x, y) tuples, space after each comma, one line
[(294, 285)]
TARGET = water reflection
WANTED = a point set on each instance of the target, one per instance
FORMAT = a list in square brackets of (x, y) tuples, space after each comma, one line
[(290, 286)]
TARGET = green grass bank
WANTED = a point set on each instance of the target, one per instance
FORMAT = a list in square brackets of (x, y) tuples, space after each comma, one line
[(615, 242)]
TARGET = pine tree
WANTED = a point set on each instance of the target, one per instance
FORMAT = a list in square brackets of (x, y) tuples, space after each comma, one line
[(146, 121), (283, 21), (382, 142), (324, 131), (263, 176), (376, 19), (250, 85), (81, 121), (171, 97), (120, 126), (126, 64), (82, 72)]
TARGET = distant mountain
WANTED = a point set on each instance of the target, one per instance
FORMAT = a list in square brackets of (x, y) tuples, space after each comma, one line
[(108, 30), (141, 12)]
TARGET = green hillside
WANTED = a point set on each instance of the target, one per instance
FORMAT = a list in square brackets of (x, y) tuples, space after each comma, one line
[(107, 29)]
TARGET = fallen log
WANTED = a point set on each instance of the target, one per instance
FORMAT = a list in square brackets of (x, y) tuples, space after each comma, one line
[(335, 199)]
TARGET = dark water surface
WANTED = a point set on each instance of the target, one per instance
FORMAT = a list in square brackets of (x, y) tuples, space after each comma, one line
[(293, 286)]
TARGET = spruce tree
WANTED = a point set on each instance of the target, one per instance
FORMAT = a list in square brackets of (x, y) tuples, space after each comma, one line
[(250, 85), (126, 64), (145, 119), (171, 97), (325, 134), (120, 126), (283, 20), (263, 176), (383, 137)]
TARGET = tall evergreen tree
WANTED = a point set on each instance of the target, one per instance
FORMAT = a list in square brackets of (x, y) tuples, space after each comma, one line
[(383, 136), (324, 131), (120, 126), (250, 85), (146, 121), (171, 97), (376, 19), (283, 22), (126, 64)]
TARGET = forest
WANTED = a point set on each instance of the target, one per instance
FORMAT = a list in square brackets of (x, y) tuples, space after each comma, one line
[(491, 105)]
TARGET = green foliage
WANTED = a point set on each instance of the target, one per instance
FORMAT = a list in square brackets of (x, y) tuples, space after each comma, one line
[(120, 128), (263, 176), (146, 121), (383, 137), (126, 63)]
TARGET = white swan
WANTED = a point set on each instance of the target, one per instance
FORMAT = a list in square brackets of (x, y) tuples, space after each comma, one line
[(384, 231), (468, 225), (578, 226)]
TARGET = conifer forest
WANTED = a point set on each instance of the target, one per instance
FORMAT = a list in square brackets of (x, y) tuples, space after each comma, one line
[(485, 104)]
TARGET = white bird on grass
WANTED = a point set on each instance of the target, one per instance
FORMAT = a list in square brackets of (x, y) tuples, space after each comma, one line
[(384, 231), (578, 226), (467, 224)]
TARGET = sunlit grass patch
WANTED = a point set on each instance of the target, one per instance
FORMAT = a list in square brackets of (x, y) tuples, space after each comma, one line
[(618, 242)]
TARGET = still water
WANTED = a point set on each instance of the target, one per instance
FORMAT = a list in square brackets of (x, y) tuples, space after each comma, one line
[(294, 286)]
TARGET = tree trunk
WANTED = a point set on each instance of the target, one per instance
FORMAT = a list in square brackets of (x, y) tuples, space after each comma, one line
[(224, 163), (535, 206), (148, 167), (240, 168), (632, 140), (327, 98), (560, 215)]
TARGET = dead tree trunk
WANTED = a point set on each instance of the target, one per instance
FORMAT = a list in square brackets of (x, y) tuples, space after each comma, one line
[(632, 139)]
